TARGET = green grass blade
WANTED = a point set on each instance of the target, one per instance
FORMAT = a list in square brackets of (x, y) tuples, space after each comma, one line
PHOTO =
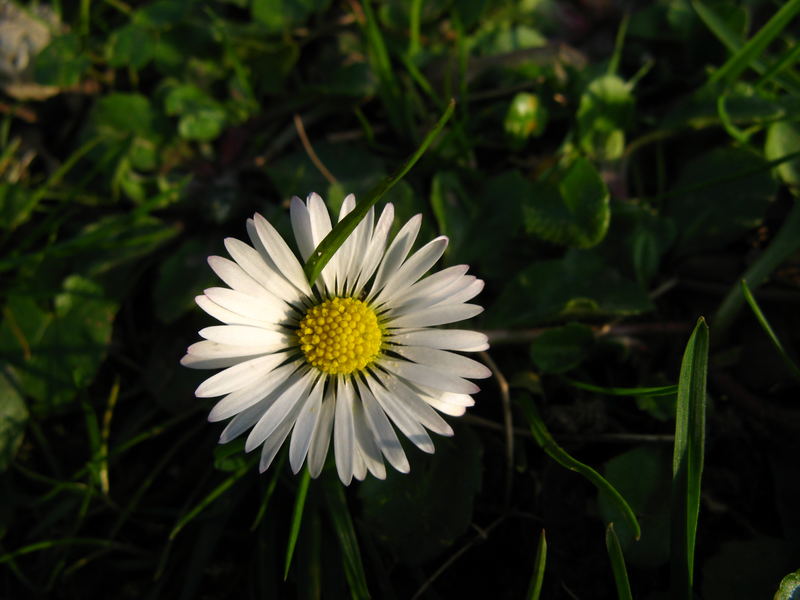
[(687, 462), (748, 296), (618, 564), (297, 519), (747, 55), (535, 588), (785, 243), (661, 390), (562, 457), (213, 495), (337, 236), (273, 482), (346, 534)]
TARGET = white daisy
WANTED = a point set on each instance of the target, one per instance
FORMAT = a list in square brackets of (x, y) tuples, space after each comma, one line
[(355, 358)]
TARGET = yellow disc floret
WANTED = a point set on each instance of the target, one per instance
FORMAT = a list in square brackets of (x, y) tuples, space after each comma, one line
[(340, 336)]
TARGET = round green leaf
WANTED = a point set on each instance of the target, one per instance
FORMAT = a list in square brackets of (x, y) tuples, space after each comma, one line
[(560, 349)]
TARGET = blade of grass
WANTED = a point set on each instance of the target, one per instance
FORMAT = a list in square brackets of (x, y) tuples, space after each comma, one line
[(336, 237), (619, 42), (618, 564), (785, 243), (414, 19), (789, 57), (687, 461), (297, 519), (345, 532), (661, 390), (47, 544), (748, 296), (562, 457), (535, 588), (213, 495), (746, 55), (273, 482)]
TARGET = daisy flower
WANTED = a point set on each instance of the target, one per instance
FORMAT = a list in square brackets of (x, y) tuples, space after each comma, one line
[(354, 358)]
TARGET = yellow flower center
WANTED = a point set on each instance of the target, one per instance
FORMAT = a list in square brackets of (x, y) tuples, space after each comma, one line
[(340, 336)]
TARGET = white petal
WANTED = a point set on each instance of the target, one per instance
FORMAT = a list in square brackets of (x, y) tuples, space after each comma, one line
[(374, 250), (235, 277), (456, 291), (254, 265), (454, 410), (446, 361), (427, 376), (359, 466), (305, 425), (267, 340), (264, 308), (211, 355), (383, 431), (280, 409), (345, 251), (285, 261), (238, 376), (394, 408), (244, 398), (410, 401), (301, 225), (444, 339), (432, 285), (322, 434), (229, 317), (343, 433), (396, 254), (273, 444), (361, 239), (241, 423), (321, 227), (437, 315), (365, 442), (412, 269), (467, 292)]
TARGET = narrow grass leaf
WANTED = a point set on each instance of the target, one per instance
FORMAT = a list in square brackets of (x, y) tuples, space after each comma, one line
[(785, 243), (748, 296), (748, 54), (561, 456), (297, 519), (687, 461), (348, 543), (273, 482), (73, 541), (618, 564), (660, 390), (535, 588), (337, 236), (211, 497)]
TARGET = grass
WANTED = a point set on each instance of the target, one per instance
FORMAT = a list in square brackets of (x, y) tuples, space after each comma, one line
[(614, 177)]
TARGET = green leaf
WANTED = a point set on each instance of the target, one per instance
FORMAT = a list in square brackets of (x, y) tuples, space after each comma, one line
[(336, 237), (439, 491), (180, 276), (201, 117), (121, 114), (762, 320), (62, 63), (580, 285), (785, 243), (560, 349), (130, 46), (783, 139), (687, 461), (573, 211), (13, 418), (279, 15), (562, 457), (789, 587), (662, 390), (454, 214), (16, 205), (617, 564), (604, 113), (722, 196), (297, 519), (346, 534), (535, 587), (642, 476)]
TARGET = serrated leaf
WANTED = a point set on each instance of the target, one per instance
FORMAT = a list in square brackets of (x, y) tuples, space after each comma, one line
[(560, 349), (578, 285), (573, 210), (439, 492)]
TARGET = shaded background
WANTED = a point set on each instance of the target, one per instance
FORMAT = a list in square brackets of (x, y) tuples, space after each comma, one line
[(611, 170)]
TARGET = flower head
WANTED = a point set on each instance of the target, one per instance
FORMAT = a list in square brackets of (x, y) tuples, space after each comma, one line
[(354, 358)]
